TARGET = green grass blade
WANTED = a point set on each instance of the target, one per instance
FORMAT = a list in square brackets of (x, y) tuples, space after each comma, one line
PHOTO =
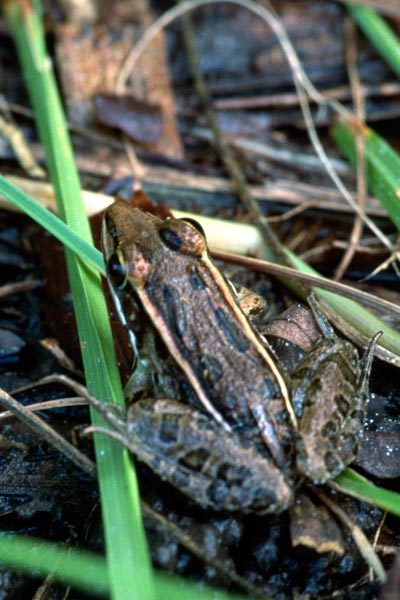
[(38, 558), (379, 33), (88, 571), (53, 224), (356, 485), (127, 557), (383, 166)]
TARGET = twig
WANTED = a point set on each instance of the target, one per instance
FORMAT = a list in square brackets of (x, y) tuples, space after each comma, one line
[(351, 56), (47, 405), (376, 538), (9, 289), (13, 134), (231, 164), (391, 260), (388, 89), (363, 544), (264, 266), (50, 435), (306, 162)]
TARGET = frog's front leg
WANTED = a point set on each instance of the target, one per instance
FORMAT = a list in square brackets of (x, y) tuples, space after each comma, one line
[(329, 394), (197, 456)]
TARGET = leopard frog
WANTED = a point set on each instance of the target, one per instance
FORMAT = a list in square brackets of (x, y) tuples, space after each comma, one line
[(244, 435)]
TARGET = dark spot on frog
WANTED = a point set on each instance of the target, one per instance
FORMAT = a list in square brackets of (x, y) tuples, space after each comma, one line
[(195, 459), (168, 431), (232, 333), (171, 295), (282, 417), (196, 279), (330, 429), (333, 465), (357, 415), (181, 479), (210, 369), (176, 311), (342, 404), (182, 237), (269, 389), (256, 498), (233, 473), (301, 453), (348, 445), (261, 497), (218, 493)]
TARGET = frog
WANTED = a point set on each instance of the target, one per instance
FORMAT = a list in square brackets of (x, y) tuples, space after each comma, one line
[(244, 435)]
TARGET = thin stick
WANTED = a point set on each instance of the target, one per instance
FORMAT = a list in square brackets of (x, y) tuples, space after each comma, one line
[(351, 56), (47, 405), (231, 164), (363, 544), (333, 286), (43, 430)]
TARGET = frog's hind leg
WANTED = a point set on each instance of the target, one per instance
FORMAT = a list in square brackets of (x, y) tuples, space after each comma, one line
[(198, 457), (329, 394)]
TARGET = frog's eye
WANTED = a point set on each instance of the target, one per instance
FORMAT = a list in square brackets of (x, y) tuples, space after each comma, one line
[(116, 270), (194, 224), (182, 236)]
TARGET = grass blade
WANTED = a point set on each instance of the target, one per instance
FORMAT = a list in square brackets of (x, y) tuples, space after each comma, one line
[(53, 224), (128, 561), (383, 165), (83, 570), (379, 33), (88, 571), (356, 485)]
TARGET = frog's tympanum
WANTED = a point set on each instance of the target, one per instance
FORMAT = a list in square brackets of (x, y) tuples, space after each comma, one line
[(225, 425)]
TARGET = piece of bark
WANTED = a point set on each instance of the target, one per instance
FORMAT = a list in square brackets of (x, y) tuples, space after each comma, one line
[(314, 527), (90, 63), (139, 120)]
